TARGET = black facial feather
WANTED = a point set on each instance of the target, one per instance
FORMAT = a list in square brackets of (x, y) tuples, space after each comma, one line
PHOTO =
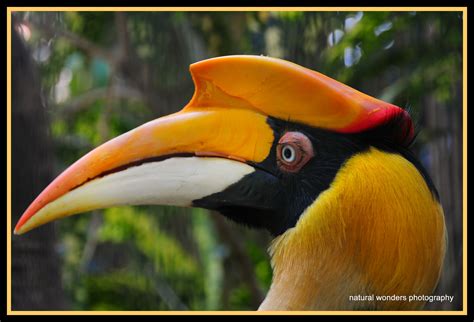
[(274, 199)]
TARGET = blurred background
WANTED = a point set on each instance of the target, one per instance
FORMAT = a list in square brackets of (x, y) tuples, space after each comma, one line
[(81, 78)]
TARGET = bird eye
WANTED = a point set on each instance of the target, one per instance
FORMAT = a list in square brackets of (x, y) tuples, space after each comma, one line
[(294, 150), (288, 153)]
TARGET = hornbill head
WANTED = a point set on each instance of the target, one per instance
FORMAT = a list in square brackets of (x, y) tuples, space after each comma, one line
[(270, 144)]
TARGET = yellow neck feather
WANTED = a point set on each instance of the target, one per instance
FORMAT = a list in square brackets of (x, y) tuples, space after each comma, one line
[(376, 231)]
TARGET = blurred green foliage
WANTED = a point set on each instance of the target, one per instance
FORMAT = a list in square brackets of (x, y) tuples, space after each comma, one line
[(161, 258)]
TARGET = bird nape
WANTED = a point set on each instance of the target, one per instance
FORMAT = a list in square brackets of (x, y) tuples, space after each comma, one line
[(272, 145)]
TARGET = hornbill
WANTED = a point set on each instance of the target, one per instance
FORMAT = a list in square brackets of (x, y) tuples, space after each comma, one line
[(326, 169)]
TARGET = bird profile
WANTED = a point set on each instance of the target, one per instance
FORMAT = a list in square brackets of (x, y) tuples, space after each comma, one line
[(326, 169)]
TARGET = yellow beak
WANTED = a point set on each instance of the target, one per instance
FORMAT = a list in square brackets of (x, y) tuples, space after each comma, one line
[(240, 135)]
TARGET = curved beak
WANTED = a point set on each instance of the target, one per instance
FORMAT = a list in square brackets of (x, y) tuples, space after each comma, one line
[(173, 160), (189, 158)]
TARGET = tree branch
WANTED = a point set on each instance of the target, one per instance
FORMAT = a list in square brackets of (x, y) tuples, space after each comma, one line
[(89, 47), (165, 291), (248, 274), (72, 107)]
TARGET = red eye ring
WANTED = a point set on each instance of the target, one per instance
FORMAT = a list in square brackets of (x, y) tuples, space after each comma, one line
[(294, 150)]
